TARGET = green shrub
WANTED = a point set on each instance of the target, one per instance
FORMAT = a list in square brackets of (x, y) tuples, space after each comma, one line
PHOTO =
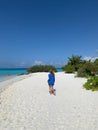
[(81, 72), (88, 69), (74, 63), (92, 83), (82, 67), (96, 64), (69, 69), (41, 68)]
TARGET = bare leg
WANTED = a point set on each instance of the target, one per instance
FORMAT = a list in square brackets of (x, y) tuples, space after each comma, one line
[(53, 91), (50, 89)]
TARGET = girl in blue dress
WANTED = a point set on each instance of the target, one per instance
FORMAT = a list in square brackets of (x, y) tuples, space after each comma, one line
[(51, 81)]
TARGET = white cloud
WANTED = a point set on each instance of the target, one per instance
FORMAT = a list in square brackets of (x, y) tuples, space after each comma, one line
[(38, 62), (87, 58)]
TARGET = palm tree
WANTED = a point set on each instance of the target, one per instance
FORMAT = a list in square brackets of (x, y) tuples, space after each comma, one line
[(75, 61)]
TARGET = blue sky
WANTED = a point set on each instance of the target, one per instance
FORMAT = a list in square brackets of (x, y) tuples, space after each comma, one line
[(47, 31)]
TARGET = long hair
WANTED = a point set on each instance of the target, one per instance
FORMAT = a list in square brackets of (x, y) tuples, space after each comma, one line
[(52, 72)]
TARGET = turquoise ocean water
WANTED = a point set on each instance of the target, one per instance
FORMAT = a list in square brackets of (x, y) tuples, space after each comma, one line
[(17, 71), (59, 70), (7, 73), (12, 71)]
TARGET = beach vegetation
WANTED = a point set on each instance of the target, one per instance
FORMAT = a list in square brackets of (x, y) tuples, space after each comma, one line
[(74, 63), (96, 65), (92, 83), (83, 68), (41, 68), (68, 68), (87, 69)]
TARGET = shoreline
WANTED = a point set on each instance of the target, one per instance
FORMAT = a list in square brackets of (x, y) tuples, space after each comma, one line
[(8, 77), (7, 81)]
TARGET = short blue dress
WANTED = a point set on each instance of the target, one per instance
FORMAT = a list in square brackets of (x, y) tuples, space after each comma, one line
[(51, 80)]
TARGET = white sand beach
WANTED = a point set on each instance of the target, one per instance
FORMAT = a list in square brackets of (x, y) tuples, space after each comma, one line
[(26, 104)]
